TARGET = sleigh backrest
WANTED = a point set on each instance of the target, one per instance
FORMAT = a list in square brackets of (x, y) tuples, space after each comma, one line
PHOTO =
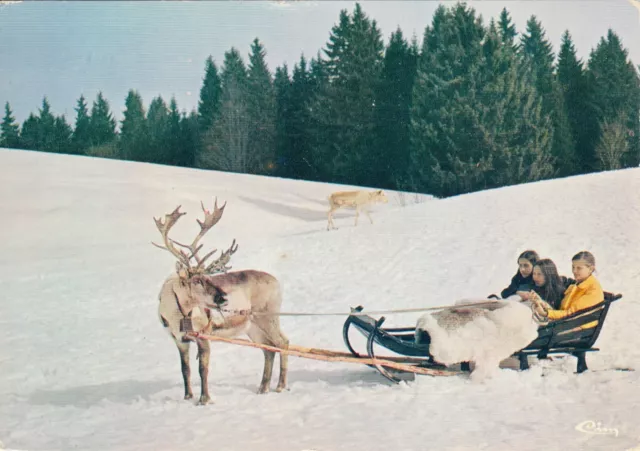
[(567, 332)]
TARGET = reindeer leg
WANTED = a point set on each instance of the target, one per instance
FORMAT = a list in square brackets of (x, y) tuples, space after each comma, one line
[(367, 212), (258, 334), (269, 358), (357, 214), (330, 215), (284, 363), (183, 348), (204, 351)]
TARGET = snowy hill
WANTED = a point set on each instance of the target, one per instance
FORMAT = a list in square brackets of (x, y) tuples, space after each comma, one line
[(85, 363)]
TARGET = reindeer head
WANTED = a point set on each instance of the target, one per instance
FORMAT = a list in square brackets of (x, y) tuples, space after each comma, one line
[(206, 292), (189, 263), (380, 196)]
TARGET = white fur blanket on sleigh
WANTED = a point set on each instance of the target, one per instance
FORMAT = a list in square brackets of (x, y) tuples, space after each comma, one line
[(484, 335)]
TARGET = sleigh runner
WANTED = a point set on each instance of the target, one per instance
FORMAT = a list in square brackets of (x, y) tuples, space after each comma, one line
[(558, 337)]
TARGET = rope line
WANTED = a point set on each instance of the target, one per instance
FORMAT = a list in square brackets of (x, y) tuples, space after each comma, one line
[(542, 321), (370, 312)]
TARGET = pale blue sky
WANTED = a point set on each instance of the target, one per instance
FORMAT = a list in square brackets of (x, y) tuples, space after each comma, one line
[(64, 49)]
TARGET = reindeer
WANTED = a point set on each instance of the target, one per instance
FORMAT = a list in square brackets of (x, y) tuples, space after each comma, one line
[(192, 299), (358, 199)]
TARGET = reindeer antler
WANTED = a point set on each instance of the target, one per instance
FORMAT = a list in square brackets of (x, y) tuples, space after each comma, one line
[(220, 264), (164, 227), (210, 220)]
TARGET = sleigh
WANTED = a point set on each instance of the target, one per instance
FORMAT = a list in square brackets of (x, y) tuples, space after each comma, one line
[(558, 337)]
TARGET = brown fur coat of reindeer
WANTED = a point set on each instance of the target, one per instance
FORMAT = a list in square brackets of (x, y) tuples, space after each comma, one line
[(203, 297)]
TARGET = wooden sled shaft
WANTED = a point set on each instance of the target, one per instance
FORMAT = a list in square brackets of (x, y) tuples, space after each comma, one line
[(329, 356), (327, 352)]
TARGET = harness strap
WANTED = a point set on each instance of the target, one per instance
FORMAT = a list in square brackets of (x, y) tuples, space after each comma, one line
[(178, 304)]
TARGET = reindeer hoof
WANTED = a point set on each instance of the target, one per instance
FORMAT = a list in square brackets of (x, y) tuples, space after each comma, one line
[(188, 396), (204, 400), (280, 389), (263, 390)]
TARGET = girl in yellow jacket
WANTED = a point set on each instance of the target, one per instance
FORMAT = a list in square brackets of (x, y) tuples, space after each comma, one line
[(585, 293)]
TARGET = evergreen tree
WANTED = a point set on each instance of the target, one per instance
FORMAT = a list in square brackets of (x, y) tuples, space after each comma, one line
[(311, 134), (614, 89), (538, 56), (9, 130), (476, 121), (282, 86), (261, 108), (46, 128), (226, 146), (516, 134), (393, 112), (508, 31), (563, 149), (571, 84), (30, 135), (62, 136), (134, 136), (298, 126), (189, 140), (39, 132), (81, 137), (102, 124), (158, 150), (337, 47), (319, 76), (345, 107), (443, 105), (210, 95), (174, 155)]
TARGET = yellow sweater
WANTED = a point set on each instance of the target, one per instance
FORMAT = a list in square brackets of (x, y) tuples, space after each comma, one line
[(578, 297)]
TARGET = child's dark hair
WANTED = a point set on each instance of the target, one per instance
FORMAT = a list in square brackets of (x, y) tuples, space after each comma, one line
[(530, 255), (553, 289)]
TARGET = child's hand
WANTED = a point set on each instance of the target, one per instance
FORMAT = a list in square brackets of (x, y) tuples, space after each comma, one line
[(540, 309), (523, 294)]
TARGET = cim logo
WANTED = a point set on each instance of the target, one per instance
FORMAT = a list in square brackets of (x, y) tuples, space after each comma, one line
[(596, 428)]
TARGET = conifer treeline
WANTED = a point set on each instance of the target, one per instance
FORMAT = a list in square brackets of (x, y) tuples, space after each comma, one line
[(475, 106)]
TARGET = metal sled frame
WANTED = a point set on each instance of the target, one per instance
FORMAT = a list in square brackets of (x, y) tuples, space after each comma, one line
[(400, 340), (558, 337)]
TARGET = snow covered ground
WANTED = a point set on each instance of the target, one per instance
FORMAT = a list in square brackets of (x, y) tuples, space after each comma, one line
[(85, 363)]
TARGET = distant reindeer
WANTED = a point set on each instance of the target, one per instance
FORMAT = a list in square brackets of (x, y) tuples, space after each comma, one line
[(358, 199), (191, 300)]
